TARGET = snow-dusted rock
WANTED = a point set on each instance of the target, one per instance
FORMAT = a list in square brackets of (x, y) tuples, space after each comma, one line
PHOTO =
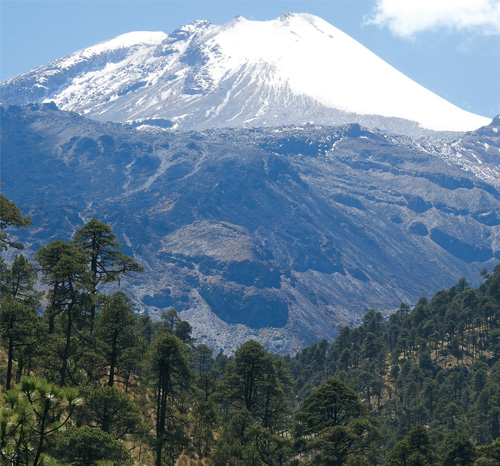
[(295, 69)]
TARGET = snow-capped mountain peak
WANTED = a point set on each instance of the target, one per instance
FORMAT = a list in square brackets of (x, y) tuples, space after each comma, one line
[(130, 39), (291, 70)]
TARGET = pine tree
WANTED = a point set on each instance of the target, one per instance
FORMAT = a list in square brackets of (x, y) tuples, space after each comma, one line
[(10, 216), (35, 411), (88, 446), (17, 325), (107, 262), (332, 424), (111, 410), (19, 281), (116, 323), (64, 268), (170, 372)]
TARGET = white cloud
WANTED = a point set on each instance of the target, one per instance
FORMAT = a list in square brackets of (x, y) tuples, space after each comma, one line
[(405, 18)]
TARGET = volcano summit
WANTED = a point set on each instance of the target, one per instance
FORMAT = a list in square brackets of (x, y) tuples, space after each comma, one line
[(295, 69)]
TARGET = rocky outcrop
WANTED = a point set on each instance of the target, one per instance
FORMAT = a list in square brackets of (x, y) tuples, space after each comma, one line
[(281, 235)]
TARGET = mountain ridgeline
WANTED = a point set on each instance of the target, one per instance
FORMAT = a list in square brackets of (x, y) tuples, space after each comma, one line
[(295, 69), (282, 235)]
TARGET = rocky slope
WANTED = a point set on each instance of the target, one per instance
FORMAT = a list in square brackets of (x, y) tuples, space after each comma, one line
[(278, 234)]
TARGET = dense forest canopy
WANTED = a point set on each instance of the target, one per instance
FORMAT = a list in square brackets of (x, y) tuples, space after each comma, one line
[(86, 381)]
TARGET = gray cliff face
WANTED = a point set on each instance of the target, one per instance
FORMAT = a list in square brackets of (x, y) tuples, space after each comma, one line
[(280, 234)]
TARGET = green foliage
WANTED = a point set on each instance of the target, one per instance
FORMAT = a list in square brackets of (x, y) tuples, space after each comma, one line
[(32, 413), (63, 263), (205, 421), (111, 410), (19, 281), (333, 424), (10, 216), (414, 449), (170, 373), (17, 325), (115, 331), (332, 404), (257, 387), (86, 446), (65, 270), (489, 455), (458, 450), (234, 446), (258, 382), (107, 261), (272, 449), (434, 365)]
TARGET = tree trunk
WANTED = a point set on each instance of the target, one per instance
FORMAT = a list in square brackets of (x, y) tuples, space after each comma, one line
[(66, 350), (9, 363), (42, 433), (20, 367), (93, 269), (112, 362), (106, 420), (163, 384)]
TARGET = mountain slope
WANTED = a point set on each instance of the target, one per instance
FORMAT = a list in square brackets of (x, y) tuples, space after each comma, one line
[(292, 70), (281, 235)]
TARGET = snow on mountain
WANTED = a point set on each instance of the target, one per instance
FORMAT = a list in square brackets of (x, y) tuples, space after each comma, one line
[(295, 69)]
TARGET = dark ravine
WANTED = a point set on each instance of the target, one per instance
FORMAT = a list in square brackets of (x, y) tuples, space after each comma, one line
[(282, 234)]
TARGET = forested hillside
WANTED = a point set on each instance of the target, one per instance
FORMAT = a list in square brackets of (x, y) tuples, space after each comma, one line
[(434, 365), (86, 381)]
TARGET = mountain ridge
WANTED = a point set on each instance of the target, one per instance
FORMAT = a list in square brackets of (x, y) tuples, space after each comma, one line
[(292, 70)]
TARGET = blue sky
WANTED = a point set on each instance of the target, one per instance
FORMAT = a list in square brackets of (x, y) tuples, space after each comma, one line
[(452, 47)]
